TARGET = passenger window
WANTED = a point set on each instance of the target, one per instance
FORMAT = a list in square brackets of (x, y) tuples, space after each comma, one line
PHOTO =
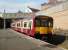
[(37, 23), (44, 23), (13, 25), (18, 25), (25, 24)]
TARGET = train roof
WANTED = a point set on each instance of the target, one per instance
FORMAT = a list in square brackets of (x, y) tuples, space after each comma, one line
[(38, 16), (43, 16)]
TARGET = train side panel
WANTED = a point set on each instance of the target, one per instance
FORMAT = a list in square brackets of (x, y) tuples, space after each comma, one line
[(27, 27)]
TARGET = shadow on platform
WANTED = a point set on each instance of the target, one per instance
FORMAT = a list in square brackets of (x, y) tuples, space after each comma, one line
[(56, 39)]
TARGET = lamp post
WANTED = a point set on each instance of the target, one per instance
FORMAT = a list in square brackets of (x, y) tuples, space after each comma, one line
[(4, 19)]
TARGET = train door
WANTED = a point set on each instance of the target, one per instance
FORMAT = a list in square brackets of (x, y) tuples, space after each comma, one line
[(30, 28), (22, 25), (19, 26), (30, 24), (25, 26)]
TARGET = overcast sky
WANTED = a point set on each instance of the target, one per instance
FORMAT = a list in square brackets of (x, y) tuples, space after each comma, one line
[(14, 5)]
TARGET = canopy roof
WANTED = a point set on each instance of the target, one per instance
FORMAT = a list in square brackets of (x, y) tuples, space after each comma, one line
[(33, 9)]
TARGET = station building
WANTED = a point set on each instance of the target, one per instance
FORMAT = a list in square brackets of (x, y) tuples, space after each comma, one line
[(58, 9)]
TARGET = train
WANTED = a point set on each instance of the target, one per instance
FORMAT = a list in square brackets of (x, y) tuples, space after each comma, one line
[(40, 26)]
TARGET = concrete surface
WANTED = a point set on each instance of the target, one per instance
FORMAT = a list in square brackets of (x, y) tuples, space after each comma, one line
[(11, 40)]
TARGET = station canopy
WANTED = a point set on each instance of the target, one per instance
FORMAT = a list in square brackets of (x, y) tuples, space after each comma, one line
[(25, 12)]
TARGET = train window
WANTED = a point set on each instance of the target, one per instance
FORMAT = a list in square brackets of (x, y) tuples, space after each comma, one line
[(13, 24), (44, 23), (18, 24), (25, 24), (37, 23), (50, 24)]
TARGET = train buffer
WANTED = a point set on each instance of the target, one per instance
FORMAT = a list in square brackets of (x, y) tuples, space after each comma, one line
[(12, 40)]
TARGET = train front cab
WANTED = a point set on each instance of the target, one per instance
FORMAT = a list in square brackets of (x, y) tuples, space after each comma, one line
[(43, 26)]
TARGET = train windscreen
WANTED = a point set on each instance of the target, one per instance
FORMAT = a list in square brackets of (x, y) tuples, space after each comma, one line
[(44, 22), (41, 22)]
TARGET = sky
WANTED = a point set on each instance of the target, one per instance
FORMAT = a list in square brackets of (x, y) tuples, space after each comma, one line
[(15, 5)]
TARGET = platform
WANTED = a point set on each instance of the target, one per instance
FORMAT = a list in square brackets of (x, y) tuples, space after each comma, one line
[(12, 40)]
